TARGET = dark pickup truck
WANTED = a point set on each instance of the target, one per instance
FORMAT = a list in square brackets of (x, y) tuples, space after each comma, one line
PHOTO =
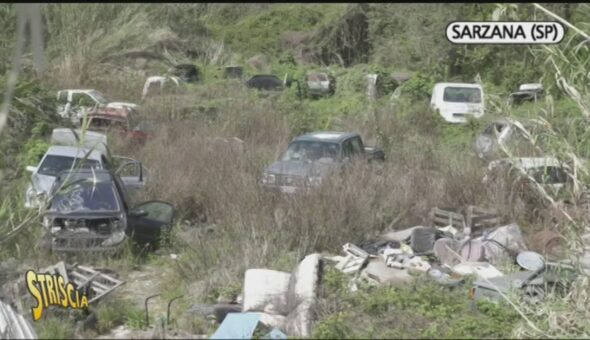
[(311, 157)]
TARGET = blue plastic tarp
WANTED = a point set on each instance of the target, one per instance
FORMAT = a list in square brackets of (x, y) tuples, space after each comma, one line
[(237, 326)]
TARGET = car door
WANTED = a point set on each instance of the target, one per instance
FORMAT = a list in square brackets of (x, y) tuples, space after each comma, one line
[(132, 173), (358, 149), (150, 222)]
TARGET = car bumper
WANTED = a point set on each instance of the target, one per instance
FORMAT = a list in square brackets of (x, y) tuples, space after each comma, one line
[(83, 242), (282, 189)]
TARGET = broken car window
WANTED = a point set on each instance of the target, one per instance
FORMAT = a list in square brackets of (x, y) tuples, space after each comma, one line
[(311, 151), (52, 165), (462, 95), (100, 98), (158, 211), (86, 196)]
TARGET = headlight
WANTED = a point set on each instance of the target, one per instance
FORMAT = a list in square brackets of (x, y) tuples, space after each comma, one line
[(47, 222), (268, 178), (314, 181), (116, 238)]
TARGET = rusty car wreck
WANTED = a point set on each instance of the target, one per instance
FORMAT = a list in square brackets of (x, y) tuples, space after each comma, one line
[(90, 210)]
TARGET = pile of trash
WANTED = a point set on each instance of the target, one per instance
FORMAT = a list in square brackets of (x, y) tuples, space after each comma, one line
[(459, 243), (273, 303), (454, 247)]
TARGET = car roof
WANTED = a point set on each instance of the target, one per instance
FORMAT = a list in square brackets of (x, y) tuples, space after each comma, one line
[(264, 76), (326, 136), (472, 85), (98, 175), (73, 151)]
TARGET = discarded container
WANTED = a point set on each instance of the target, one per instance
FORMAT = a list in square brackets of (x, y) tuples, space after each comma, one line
[(422, 239), (472, 251), (263, 287), (530, 260), (447, 251), (505, 241)]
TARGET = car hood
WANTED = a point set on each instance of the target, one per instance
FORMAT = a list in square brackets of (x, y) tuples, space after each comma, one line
[(42, 183), (301, 168)]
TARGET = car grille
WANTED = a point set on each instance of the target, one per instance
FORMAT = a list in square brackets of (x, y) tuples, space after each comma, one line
[(289, 180)]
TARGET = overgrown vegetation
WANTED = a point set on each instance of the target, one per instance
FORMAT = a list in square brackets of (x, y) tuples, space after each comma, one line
[(112, 47)]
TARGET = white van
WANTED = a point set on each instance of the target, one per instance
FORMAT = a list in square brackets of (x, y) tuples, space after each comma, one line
[(456, 101)]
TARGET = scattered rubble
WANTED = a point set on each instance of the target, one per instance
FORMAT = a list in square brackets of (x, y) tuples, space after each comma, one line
[(14, 325), (100, 284), (278, 301), (458, 243)]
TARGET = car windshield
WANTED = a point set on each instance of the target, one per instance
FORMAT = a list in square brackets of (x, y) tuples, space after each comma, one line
[(145, 126), (311, 151), (99, 97), (85, 195), (462, 95), (53, 164)]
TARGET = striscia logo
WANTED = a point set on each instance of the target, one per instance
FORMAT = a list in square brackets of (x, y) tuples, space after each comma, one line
[(504, 32)]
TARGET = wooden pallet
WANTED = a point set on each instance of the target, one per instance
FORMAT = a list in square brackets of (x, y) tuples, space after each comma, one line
[(473, 221)]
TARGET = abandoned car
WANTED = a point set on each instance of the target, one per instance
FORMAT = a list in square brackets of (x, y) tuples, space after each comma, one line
[(504, 133), (527, 92), (72, 103), (90, 210), (320, 84), (119, 121), (265, 82), (59, 158), (77, 137), (188, 73), (156, 85), (548, 172), (457, 101), (311, 157)]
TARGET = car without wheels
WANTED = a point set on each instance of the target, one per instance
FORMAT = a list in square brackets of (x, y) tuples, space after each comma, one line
[(311, 157), (91, 210), (119, 121), (73, 102), (551, 174)]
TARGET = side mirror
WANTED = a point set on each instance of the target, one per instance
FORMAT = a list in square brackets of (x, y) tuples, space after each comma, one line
[(31, 168), (138, 213)]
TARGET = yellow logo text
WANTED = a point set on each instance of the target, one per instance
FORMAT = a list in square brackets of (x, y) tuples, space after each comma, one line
[(51, 290)]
